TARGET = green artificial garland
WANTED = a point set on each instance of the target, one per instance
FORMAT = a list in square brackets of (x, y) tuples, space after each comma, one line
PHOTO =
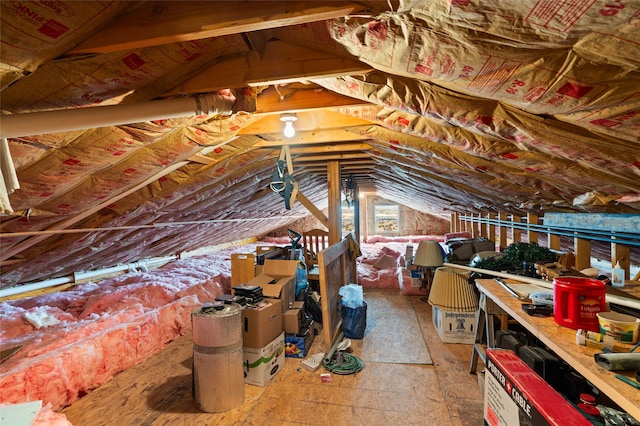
[(516, 256)]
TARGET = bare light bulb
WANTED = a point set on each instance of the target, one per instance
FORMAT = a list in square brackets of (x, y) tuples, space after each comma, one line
[(289, 131), (288, 118)]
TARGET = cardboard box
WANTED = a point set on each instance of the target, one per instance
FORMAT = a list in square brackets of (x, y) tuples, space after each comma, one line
[(454, 326), (515, 395), (416, 277), (298, 345), (260, 365), (293, 318), (278, 280), (261, 323)]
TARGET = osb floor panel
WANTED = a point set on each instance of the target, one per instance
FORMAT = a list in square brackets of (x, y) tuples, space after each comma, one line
[(393, 333), (398, 389)]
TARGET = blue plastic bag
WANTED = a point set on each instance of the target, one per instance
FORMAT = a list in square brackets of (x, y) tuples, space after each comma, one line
[(351, 295)]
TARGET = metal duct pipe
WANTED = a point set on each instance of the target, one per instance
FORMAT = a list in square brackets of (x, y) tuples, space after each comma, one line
[(45, 122)]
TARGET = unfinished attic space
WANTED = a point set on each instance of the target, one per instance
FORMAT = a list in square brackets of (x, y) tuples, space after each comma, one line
[(398, 212)]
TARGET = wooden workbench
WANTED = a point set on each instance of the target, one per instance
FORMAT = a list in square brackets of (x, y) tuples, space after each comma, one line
[(562, 341)]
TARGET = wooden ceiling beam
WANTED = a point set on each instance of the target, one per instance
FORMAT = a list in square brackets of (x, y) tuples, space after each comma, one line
[(344, 170), (163, 22), (358, 175), (270, 101), (321, 136), (308, 121), (279, 63), (330, 148), (311, 158), (364, 162)]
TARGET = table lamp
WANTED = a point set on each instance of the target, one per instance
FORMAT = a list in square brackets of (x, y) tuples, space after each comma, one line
[(451, 290), (428, 256)]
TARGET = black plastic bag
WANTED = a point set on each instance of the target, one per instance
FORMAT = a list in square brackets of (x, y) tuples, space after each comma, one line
[(354, 321), (312, 308)]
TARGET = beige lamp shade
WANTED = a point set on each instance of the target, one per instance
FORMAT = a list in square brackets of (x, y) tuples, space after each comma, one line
[(428, 254), (451, 290)]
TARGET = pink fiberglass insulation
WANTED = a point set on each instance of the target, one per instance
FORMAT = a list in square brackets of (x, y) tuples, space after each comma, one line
[(99, 329), (44, 417), (373, 250), (369, 276), (47, 417), (394, 277)]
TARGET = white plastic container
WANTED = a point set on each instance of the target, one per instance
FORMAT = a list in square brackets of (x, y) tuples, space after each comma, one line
[(617, 276), (621, 327)]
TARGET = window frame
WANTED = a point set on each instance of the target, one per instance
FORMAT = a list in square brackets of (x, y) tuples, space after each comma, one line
[(377, 217)]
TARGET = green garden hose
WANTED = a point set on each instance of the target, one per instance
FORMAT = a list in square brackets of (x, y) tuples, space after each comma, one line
[(344, 363)]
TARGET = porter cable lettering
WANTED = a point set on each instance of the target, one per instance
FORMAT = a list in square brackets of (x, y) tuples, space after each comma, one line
[(513, 391), (496, 372), (521, 401)]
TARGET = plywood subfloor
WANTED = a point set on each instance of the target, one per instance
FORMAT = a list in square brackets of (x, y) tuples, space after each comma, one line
[(158, 391), (393, 332)]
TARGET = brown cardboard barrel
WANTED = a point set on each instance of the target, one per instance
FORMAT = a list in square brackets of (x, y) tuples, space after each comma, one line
[(218, 377)]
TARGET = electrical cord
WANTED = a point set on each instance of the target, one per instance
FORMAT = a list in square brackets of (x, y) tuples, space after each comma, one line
[(344, 363)]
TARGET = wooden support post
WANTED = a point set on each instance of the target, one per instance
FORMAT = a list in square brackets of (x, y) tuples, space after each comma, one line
[(453, 226), (364, 218), (532, 236), (554, 241), (620, 253), (516, 233), (333, 178), (356, 215), (582, 249), (475, 226), (503, 231), (491, 228)]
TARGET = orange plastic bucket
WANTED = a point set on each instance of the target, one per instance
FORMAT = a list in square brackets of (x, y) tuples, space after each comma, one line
[(577, 300)]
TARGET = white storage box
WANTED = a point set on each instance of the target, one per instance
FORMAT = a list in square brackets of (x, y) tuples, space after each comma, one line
[(260, 365), (455, 326)]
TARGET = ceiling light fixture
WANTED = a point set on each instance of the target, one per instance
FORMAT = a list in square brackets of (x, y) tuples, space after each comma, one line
[(349, 190), (288, 119)]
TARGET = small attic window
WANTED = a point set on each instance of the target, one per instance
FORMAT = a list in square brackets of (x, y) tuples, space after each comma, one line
[(386, 219), (348, 221)]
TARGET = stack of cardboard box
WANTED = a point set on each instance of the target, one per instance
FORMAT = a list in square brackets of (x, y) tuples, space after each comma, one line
[(299, 331), (264, 323)]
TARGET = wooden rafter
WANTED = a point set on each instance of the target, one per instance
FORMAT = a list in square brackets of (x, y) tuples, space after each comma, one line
[(157, 23), (330, 148), (308, 121), (321, 136), (280, 63), (334, 157)]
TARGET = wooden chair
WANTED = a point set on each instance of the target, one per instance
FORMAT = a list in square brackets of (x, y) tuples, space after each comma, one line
[(313, 242)]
